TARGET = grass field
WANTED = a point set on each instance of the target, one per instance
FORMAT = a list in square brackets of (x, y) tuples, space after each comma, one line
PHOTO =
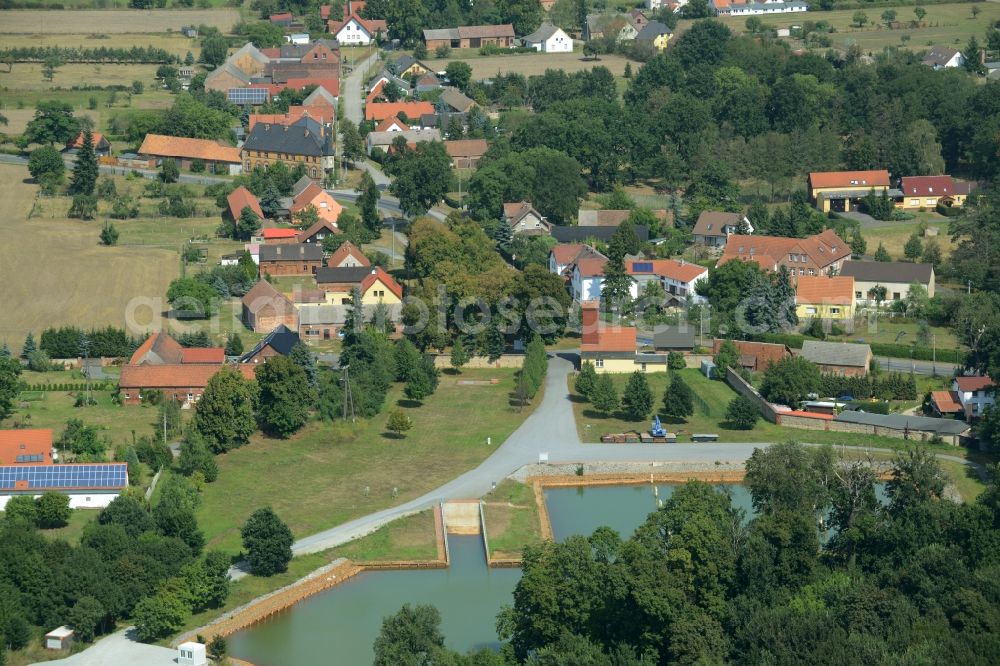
[(945, 25), (409, 538), (886, 331), (78, 520), (109, 21), (174, 43), (511, 519), (55, 272), (28, 76), (894, 235), (17, 119), (533, 63), (317, 479), (712, 399)]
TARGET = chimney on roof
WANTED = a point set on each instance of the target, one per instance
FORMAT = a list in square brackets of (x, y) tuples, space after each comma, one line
[(590, 322)]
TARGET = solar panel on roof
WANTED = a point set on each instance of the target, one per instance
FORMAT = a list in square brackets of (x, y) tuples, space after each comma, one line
[(45, 477), (642, 267), (247, 95)]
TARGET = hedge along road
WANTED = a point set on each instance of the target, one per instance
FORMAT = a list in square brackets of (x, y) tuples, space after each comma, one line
[(551, 429)]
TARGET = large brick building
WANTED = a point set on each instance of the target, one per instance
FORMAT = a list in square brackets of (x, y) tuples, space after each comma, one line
[(265, 308), (470, 36), (297, 259)]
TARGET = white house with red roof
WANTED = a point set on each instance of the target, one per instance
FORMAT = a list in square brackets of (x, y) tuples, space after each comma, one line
[(563, 255), (677, 277), (749, 8), (587, 278), (975, 394)]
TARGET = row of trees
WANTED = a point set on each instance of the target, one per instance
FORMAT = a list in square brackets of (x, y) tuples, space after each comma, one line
[(407, 19), (99, 54)]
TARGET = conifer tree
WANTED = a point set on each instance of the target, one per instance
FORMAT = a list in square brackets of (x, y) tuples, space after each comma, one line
[(85, 170)]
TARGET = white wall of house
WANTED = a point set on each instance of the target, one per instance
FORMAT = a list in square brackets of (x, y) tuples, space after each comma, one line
[(586, 288), (559, 42), (894, 291), (351, 33), (974, 402), (83, 500)]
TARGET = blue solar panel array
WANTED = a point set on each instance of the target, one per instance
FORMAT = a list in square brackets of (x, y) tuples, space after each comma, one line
[(642, 267), (42, 477), (247, 95)]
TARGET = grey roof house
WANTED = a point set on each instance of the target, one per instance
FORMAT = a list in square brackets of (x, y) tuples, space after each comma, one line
[(674, 338), (842, 358), (895, 276)]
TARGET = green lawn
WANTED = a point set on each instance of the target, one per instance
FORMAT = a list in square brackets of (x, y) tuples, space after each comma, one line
[(409, 538), (712, 397), (894, 235), (317, 479), (78, 520), (886, 330), (511, 519)]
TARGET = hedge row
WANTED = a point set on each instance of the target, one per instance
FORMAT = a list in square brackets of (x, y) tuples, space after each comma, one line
[(94, 386), (945, 355), (101, 54)]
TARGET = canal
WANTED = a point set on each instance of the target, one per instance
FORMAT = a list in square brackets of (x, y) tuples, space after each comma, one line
[(340, 626)]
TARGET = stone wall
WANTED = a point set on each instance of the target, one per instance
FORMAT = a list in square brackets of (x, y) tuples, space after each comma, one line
[(443, 361), (742, 387)]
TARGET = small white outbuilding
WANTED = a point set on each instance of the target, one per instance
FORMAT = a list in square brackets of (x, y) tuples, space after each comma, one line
[(191, 654), (59, 639)]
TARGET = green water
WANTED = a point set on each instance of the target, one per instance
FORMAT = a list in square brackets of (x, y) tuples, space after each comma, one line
[(338, 627)]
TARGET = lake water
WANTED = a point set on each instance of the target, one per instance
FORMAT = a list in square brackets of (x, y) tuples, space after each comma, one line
[(338, 627)]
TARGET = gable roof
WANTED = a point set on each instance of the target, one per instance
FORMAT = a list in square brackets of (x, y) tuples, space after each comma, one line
[(566, 253), (602, 218), (651, 31), (674, 337), (826, 179), (229, 68), (905, 422), (612, 339), (927, 185), (96, 137), (946, 402), (713, 222), (281, 340), (377, 274), (347, 249), (317, 226), (241, 198), (515, 212), (386, 124), (973, 383), (25, 445), (940, 55), (159, 145), (168, 376), (577, 234), (383, 110), (454, 98), (275, 233), (320, 97), (589, 266), (262, 295), (831, 290), (342, 274), (466, 148), (836, 353), (823, 249), (249, 49), (297, 138), (412, 136), (158, 348), (291, 252), (470, 32), (545, 31), (321, 114), (760, 354), (888, 271)]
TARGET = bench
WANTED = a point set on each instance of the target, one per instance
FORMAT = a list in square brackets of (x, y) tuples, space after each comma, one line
[(704, 437)]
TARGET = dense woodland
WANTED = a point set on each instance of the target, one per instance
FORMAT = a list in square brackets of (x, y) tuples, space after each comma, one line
[(821, 573)]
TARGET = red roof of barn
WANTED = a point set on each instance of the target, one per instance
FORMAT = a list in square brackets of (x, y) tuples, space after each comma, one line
[(241, 198)]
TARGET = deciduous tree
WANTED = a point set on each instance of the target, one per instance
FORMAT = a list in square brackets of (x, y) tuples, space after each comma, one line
[(225, 413), (678, 400), (268, 542)]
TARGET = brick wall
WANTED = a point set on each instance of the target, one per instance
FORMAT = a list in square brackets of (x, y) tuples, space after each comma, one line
[(505, 361)]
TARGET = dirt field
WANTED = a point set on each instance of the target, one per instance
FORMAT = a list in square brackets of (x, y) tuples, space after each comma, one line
[(54, 272), (109, 21), (175, 43), (531, 63), (945, 25), (17, 119)]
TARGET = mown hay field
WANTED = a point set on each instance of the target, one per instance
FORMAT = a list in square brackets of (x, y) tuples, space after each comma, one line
[(107, 21)]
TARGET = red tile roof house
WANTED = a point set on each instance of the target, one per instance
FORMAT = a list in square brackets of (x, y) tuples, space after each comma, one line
[(815, 255), (755, 356), (280, 236), (101, 145), (609, 348), (290, 259), (241, 198), (348, 255), (678, 278), (975, 394), (714, 228), (31, 446), (564, 255)]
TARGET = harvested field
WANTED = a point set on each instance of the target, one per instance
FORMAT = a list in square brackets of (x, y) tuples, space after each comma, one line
[(175, 43), (108, 21), (534, 63), (56, 273)]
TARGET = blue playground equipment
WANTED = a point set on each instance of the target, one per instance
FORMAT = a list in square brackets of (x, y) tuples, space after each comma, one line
[(657, 429)]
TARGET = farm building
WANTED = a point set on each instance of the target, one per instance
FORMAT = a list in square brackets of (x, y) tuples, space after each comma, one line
[(265, 309), (89, 485), (27, 446), (214, 155), (470, 36)]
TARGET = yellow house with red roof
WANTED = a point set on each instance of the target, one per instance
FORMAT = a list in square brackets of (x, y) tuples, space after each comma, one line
[(824, 297)]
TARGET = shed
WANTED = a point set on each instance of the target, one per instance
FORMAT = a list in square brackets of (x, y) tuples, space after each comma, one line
[(708, 369), (191, 654), (674, 338), (59, 639)]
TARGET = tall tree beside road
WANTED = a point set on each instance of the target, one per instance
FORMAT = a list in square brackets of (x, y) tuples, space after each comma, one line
[(423, 176), (353, 145), (53, 123), (285, 396), (268, 542), (368, 199), (46, 166), (85, 169)]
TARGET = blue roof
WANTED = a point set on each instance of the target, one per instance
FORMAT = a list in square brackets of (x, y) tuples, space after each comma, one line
[(90, 476)]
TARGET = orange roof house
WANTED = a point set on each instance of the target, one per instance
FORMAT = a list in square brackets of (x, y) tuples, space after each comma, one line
[(241, 198), (835, 290), (609, 348), (838, 190), (157, 349), (392, 124), (176, 147), (381, 110), (216, 355), (327, 207), (182, 382), (946, 402), (348, 255), (379, 275), (26, 446), (101, 144), (813, 255), (321, 114), (276, 235), (755, 356)]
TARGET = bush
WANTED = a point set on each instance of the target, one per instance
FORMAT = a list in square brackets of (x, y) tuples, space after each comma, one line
[(948, 211), (675, 361), (742, 413)]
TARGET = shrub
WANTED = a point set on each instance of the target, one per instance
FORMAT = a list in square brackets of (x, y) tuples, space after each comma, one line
[(742, 413)]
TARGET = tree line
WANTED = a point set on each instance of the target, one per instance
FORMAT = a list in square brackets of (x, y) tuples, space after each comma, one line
[(100, 54), (819, 571)]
